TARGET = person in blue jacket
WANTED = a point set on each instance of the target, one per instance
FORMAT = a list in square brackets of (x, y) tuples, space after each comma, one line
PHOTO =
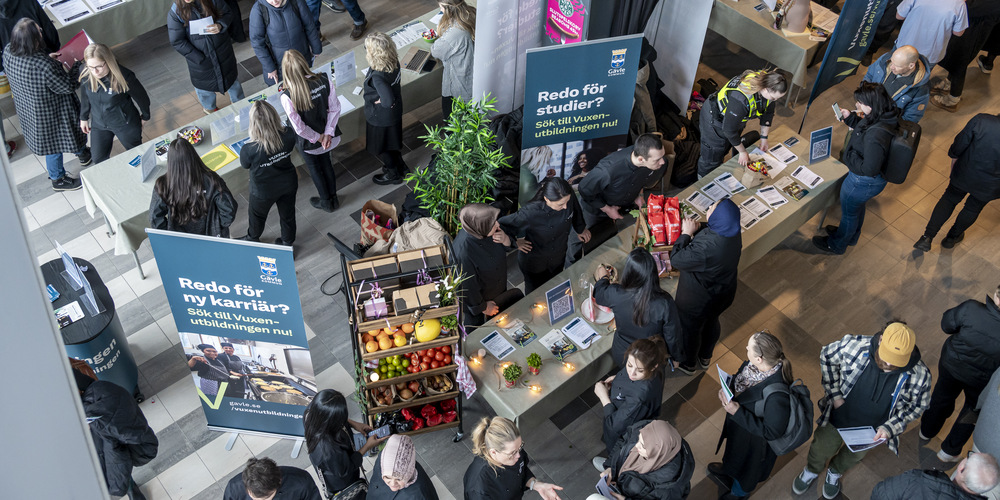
[(277, 26), (903, 72)]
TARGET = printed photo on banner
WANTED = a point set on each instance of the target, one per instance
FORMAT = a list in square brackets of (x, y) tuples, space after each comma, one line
[(571, 160), (566, 21)]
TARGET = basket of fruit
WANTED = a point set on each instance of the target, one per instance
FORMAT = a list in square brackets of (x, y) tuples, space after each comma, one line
[(383, 396), (392, 366), (438, 384), (193, 134), (406, 392)]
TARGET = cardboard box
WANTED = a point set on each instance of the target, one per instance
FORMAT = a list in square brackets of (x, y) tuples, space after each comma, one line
[(366, 292), (416, 259), (405, 301), (385, 267), (361, 271), (427, 295)]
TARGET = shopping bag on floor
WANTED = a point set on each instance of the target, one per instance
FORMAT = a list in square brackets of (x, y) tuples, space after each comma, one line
[(378, 220)]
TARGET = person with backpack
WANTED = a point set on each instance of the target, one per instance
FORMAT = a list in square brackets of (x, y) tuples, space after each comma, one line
[(752, 418), (875, 122), (277, 26), (975, 171), (870, 380), (650, 461)]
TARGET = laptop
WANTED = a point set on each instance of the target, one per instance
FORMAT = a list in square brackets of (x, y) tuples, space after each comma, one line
[(415, 59)]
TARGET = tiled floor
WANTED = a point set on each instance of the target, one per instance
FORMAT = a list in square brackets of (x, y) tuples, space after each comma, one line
[(805, 298)]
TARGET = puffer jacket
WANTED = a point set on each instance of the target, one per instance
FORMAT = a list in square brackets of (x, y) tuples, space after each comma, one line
[(290, 26), (670, 482), (121, 434), (211, 59), (971, 352), (919, 484)]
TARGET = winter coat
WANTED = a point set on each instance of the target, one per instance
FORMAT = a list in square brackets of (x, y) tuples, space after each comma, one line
[(911, 100), (977, 153), (121, 435), (210, 58), (987, 434), (971, 353), (631, 401), (221, 212), (421, 489), (547, 230), (670, 482), (290, 26), (748, 458), (919, 484), (868, 147), (110, 110), (708, 264), (455, 49), (46, 102), (385, 88), (842, 363), (12, 11), (661, 319)]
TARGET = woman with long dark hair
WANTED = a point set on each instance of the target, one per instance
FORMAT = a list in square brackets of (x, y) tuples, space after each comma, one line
[(455, 47), (190, 198), (541, 229), (748, 459), (875, 122), (210, 57), (583, 162), (384, 108), (330, 442), (481, 254), (109, 96), (273, 180), (642, 309)]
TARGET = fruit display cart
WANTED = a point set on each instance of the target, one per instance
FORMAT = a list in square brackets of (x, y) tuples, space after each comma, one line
[(405, 338)]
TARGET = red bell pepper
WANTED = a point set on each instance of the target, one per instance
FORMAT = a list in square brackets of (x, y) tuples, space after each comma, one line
[(450, 416), (407, 413), (428, 410), (418, 423), (434, 420), (448, 405)]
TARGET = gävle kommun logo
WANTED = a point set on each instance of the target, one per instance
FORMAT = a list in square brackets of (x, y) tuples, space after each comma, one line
[(617, 62), (269, 270)]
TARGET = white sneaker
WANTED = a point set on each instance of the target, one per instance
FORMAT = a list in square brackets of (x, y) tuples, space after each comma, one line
[(598, 463), (944, 457), (922, 436)]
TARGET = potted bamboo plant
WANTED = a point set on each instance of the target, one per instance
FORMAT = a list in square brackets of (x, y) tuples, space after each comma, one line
[(534, 363), (511, 374)]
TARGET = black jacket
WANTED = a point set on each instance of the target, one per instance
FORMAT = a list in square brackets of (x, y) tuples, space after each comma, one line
[(120, 432), (110, 110), (484, 262), (615, 181), (868, 148), (296, 484), (482, 482), (670, 482), (271, 175), (631, 401), (971, 353), (421, 489), (708, 264), (919, 484), (748, 458), (290, 26), (547, 230), (221, 212), (340, 466), (385, 88), (977, 150), (661, 319), (210, 58), (12, 11)]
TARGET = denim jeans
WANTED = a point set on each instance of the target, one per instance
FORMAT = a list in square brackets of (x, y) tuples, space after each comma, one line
[(355, 11), (54, 164), (854, 193), (207, 97)]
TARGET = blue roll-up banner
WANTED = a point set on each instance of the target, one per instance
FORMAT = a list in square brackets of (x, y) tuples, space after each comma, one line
[(236, 306), (850, 40)]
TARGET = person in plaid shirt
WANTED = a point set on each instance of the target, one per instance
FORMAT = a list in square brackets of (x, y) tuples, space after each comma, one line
[(876, 381)]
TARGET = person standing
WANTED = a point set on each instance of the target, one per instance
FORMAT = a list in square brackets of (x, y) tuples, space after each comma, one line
[(903, 72), (865, 156), (46, 102), (384, 108), (929, 24), (210, 57), (12, 11), (190, 198), (650, 461), (984, 17), (975, 171), (109, 97), (236, 387), (397, 475), (330, 443), (264, 479), (877, 381), (708, 261), (313, 110), (273, 181), (975, 475), (211, 370), (455, 47), (236, 30), (341, 6), (481, 253), (969, 356), (726, 113), (986, 438), (277, 26), (499, 470)]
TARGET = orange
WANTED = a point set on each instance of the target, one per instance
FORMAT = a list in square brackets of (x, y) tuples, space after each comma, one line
[(367, 338), (371, 346), (384, 343), (400, 340), (407, 327), (387, 331)]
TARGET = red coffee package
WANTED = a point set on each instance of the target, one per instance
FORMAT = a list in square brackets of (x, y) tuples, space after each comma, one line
[(672, 213), (656, 218)]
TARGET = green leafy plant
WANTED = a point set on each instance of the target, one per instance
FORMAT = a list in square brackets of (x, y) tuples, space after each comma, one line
[(534, 360), (465, 168), (512, 372), (449, 323)]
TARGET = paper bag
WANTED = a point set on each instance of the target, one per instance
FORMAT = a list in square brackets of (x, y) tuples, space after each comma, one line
[(752, 179), (375, 216)]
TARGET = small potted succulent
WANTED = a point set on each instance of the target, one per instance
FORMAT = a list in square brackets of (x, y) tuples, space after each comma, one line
[(534, 363), (449, 324), (511, 374)]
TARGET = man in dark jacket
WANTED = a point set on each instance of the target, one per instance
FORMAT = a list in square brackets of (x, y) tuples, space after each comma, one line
[(976, 475), (262, 478), (903, 72), (277, 26), (975, 170), (969, 357)]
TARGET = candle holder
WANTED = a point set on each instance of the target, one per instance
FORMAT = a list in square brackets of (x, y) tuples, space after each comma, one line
[(535, 388), (569, 366)]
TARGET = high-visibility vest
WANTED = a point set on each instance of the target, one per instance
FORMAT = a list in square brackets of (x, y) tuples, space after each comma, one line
[(756, 102)]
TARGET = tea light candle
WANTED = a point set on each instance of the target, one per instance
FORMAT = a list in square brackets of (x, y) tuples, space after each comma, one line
[(569, 366), (502, 319), (535, 388), (540, 305), (475, 361)]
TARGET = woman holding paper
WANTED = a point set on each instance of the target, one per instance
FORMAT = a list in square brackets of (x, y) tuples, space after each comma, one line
[(108, 97), (650, 461), (209, 53), (455, 47), (748, 458), (329, 441), (273, 180)]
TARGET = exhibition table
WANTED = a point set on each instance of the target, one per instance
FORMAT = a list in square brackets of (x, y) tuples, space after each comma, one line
[(118, 23), (116, 189), (560, 385), (743, 25)]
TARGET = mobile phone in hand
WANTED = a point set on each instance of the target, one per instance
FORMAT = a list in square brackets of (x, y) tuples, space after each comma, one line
[(381, 432), (840, 114)]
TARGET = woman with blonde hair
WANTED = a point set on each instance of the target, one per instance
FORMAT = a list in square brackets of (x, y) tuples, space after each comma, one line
[(109, 96), (384, 108), (455, 47), (273, 181), (500, 470), (313, 110)]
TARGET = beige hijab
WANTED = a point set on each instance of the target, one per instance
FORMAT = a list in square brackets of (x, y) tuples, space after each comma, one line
[(478, 218), (662, 443)]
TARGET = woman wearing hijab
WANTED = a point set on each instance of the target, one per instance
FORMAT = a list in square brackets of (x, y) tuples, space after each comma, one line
[(210, 369), (642, 309), (396, 474), (650, 462), (708, 263), (481, 252), (748, 459)]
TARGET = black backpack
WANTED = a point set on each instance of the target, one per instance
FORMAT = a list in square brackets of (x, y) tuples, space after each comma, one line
[(800, 418), (902, 150)]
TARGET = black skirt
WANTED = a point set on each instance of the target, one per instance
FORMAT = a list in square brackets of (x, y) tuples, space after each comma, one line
[(382, 139)]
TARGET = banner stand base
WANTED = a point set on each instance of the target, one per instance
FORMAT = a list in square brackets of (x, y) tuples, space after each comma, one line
[(232, 440), (234, 433), (297, 447)]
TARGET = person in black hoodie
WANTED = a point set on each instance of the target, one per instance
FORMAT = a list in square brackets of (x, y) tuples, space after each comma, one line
[(874, 122), (974, 477), (273, 180), (650, 461), (190, 198), (210, 58), (481, 254), (329, 441), (642, 309), (541, 229), (384, 108), (708, 262), (969, 356), (109, 94)]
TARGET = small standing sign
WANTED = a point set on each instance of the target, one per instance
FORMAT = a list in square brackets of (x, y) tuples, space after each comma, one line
[(819, 144), (559, 301)]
